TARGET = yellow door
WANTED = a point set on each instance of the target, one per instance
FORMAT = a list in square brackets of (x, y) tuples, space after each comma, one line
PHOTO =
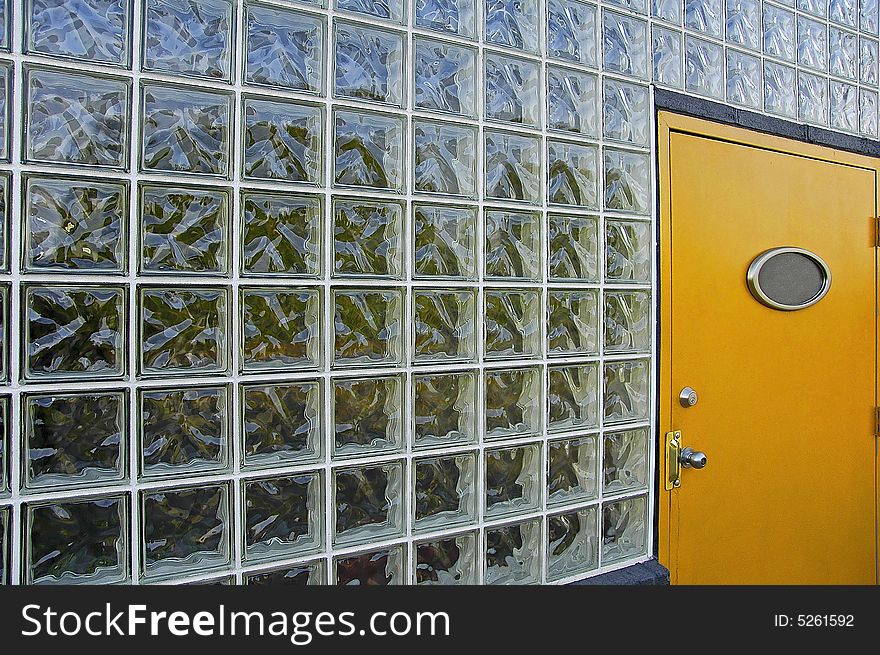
[(785, 399)]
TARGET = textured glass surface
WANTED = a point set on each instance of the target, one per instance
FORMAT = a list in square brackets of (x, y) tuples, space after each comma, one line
[(667, 57), (444, 241), (281, 234), (90, 30), (280, 328), (75, 439), (298, 575), (367, 237), (571, 31), (445, 158), (284, 49), (744, 23), (625, 45), (703, 67), (74, 332), (868, 112), (668, 10), (368, 502), (369, 64), (812, 44), (5, 535), (512, 90), (512, 244), (450, 16), (183, 331), (283, 141), (571, 470), (815, 7), (572, 317), (184, 229), (185, 130), (571, 101), (512, 23), (381, 568), (572, 543), (75, 224), (444, 409), (703, 16), (282, 516), (76, 119), (572, 174), (367, 415), (189, 37), (843, 56), (444, 321), (183, 430), (627, 181), (76, 541), (512, 165), (743, 79), (868, 16), (574, 247), (812, 98), (185, 529), (512, 402), (779, 89), (444, 491), (625, 464), (626, 391), (627, 321), (844, 107), (779, 32), (844, 12), (572, 401), (447, 561), (627, 251), (393, 10), (624, 529), (367, 326), (445, 77), (4, 453), (513, 554), (868, 61), (5, 198), (4, 338), (512, 323), (281, 423), (626, 112), (513, 480), (368, 150)]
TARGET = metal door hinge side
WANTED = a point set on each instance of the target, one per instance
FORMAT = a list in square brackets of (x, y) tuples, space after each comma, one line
[(877, 421), (877, 231)]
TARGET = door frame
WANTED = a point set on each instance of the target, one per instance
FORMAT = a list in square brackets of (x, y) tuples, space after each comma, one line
[(671, 115)]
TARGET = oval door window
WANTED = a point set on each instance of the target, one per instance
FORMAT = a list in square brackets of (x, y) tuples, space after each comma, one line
[(789, 278)]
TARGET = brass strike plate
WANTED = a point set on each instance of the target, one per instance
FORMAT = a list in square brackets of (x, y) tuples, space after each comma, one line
[(673, 460)]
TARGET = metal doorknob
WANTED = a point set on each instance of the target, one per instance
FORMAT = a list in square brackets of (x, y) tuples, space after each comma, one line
[(691, 458)]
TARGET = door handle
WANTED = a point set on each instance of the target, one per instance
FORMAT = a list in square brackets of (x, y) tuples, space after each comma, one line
[(678, 458), (692, 459)]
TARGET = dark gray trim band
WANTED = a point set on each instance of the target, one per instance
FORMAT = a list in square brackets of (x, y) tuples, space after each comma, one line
[(651, 572)]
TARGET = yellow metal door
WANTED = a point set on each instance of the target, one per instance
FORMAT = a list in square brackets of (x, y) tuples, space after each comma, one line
[(786, 400)]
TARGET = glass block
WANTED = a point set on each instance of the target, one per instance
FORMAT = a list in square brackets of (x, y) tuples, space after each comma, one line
[(779, 33), (444, 491), (744, 79), (76, 541), (444, 241), (627, 321), (5, 215), (367, 237), (367, 326), (843, 12), (572, 317), (445, 158), (183, 331), (444, 409), (625, 42), (445, 325), (369, 64), (812, 44), (444, 76), (812, 98), (281, 234), (627, 251), (512, 244), (283, 141), (668, 59), (281, 423), (625, 461), (284, 49), (627, 391), (843, 53), (513, 480), (844, 107), (574, 247), (627, 181), (5, 538), (512, 90), (369, 150), (868, 112), (5, 15), (624, 529), (512, 399), (453, 17), (368, 503), (280, 328), (572, 397), (5, 482), (572, 543), (868, 61), (779, 89), (447, 560), (298, 575), (185, 529), (571, 470), (626, 109), (74, 224), (512, 323), (367, 415), (74, 440), (668, 10), (384, 567), (637, 6), (513, 554), (283, 516), (4, 321), (572, 174), (393, 10), (86, 30), (513, 169), (76, 119), (189, 37), (744, 23), (571, 31), (571, 101), (185, 130), (703, 68), (815, 7), (184, 230), (183, 431), (512, 23), (868, 16), (703, 16), (74, 332)]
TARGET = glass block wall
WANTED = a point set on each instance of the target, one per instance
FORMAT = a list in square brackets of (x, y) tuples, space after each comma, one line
[(353, 294)]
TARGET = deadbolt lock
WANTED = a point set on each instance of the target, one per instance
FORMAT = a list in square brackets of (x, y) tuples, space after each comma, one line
[(687, 397), (678, 458)]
